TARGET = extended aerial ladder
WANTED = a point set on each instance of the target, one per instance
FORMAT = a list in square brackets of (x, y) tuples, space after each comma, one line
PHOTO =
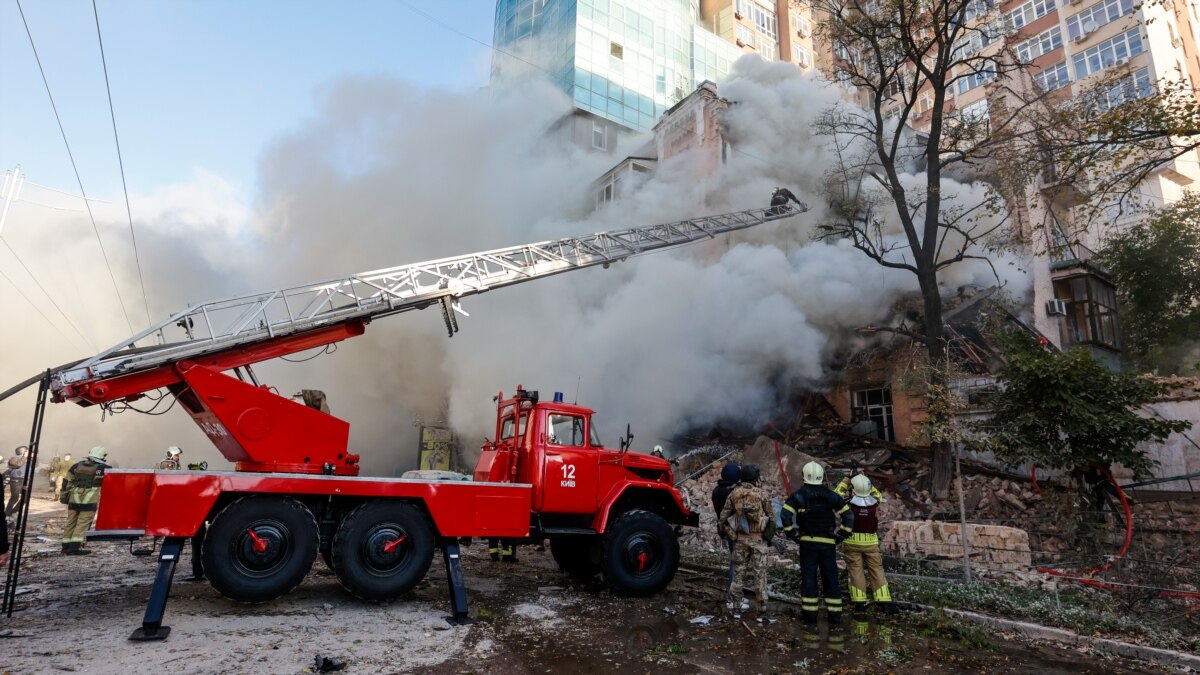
[(234, 333), (190, 353)]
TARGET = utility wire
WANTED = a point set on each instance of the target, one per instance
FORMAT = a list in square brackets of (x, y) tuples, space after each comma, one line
[(121, 163), (45, 292), (36, 308), (75, 167)]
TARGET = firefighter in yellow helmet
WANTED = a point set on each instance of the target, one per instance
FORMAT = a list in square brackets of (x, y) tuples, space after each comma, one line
[(83, 497), (821, 520), (861, 549)]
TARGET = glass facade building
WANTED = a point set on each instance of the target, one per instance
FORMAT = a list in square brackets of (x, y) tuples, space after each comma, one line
[(624, 60)]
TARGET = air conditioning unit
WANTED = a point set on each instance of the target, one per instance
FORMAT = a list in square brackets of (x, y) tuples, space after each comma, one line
[(740, 43), (803, 32), (1120, 62), (1076, 2), (1080, 38), (738, 16), (1056, 307)]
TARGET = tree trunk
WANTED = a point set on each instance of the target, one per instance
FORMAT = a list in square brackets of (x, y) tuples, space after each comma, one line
[(942, 464)]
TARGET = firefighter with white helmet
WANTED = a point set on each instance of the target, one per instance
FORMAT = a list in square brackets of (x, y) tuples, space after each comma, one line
[(173, 460), (817, 519), (82, 498), (861, 548)]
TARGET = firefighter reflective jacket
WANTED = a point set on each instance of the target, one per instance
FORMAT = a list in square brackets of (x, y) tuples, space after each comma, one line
[(83, 482), (844, 489), (820, 515), (866, 521)]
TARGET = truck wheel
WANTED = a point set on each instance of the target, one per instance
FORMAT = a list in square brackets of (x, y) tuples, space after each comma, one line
[(574, 555), (260, 547), (640, 554), (382, 549)]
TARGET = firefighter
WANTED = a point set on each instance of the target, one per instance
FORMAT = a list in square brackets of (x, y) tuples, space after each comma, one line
[(844, 488), (747, 520), (862, 548), (83, 496), (822, 519), (173, 460), (60, 475), (502, 550), (780, 198), (657, 451), (18, 465)]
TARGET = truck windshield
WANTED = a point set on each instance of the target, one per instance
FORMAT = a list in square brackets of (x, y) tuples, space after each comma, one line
[(566, 430)]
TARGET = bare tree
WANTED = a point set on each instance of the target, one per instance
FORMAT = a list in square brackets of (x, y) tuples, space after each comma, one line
[(902, 143)]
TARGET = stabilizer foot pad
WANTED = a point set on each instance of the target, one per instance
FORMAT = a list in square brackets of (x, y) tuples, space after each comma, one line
[(142, 635)]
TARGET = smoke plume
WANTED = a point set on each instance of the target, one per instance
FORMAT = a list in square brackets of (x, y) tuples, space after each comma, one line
[(386, 174)]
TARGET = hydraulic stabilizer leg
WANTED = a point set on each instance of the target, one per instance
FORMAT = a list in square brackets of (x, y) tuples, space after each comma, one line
[(458, 592), (152, 628)]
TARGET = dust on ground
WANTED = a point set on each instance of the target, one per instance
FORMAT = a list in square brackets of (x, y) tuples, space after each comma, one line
[(74, 614)]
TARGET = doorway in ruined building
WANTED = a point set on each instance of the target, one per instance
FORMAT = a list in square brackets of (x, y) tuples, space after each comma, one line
[(874, 405)]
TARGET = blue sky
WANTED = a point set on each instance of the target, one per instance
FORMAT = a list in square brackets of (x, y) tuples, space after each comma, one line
[(206, 83)]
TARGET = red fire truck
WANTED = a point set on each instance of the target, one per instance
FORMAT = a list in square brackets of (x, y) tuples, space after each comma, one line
[(295, 492)]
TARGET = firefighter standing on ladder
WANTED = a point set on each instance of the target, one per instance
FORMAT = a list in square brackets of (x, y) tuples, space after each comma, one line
[(817, 511), (862, 547)]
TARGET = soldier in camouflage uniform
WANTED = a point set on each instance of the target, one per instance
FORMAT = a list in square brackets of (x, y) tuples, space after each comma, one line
[(749, 522), (83, 497)]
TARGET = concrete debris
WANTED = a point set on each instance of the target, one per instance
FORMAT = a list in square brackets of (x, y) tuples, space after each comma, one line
[(991, 546)]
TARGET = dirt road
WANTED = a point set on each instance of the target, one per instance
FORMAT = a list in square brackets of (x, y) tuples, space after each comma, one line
[(75, 615)]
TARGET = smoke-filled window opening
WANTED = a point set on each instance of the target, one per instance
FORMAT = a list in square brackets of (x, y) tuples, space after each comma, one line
[(875, 406), (1091, 316)]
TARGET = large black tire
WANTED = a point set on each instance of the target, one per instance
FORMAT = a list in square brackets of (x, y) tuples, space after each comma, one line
[(577, 555), (382, 549), (286, 536), (640, 554)]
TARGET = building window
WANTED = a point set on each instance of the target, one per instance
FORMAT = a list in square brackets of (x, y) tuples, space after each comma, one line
[(1091, 311), (745, 35), (1097, 15), (801, 24), (599, 135), (606, 193), (767, 49), (1054, 77), (1042, 43), (874, 405), (765, 22), (979, 74), (743, 8), (801, 56), (616, 50), (1028, 13), (1134, 85), (1107, 53)]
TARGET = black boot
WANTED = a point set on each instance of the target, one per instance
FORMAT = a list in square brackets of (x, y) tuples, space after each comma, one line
[(834, 618), (860, 607), (808, 617)]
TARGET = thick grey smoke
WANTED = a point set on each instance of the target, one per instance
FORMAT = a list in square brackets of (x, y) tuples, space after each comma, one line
[(387, 174)]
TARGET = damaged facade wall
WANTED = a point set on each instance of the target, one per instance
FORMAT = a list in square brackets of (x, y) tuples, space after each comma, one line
[(873, 389)]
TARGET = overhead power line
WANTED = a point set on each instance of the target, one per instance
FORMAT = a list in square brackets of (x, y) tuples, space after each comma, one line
[(74, 166), (121, 163), (37, 309), (44, 291)]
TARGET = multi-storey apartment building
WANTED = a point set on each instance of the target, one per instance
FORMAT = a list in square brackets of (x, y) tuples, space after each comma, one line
[(623, 62)]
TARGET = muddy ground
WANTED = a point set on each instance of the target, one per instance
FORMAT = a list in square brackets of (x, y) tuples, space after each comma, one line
[(74, 614)]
